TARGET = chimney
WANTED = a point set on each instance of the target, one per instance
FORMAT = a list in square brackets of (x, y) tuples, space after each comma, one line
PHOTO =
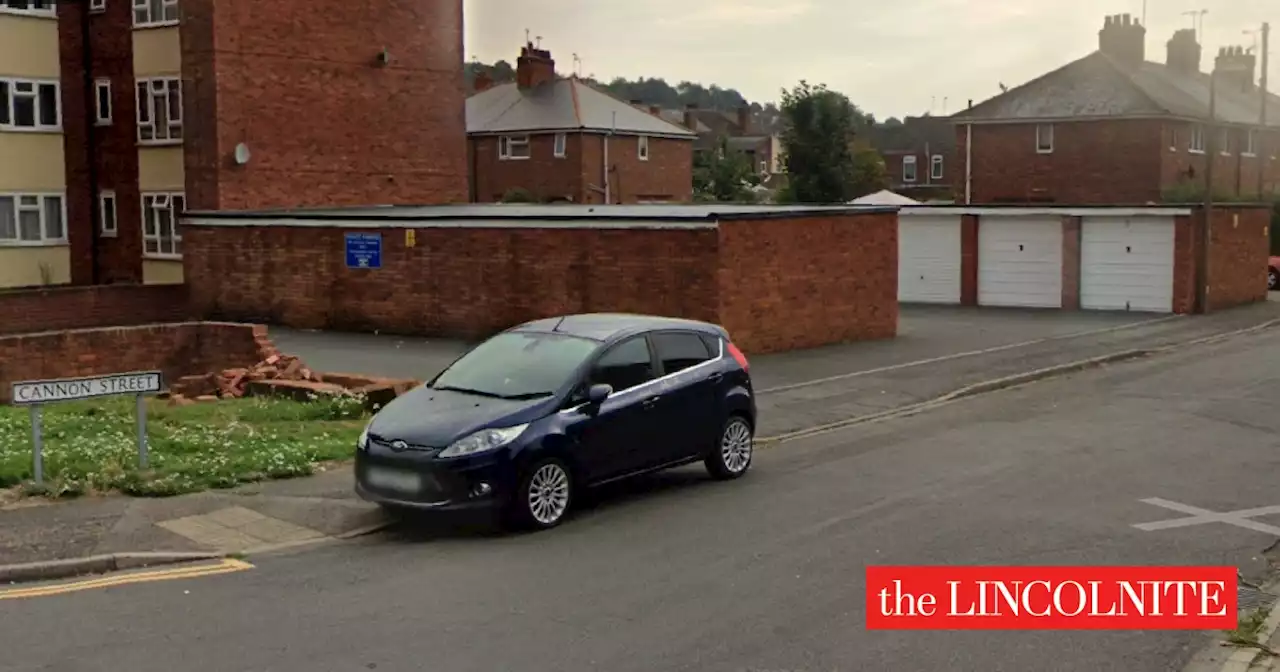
[(1184, 52), (691, 117), (744, 119), (1124, 40), (655, 110), (534, 67), (1236, 69), (483, 82)]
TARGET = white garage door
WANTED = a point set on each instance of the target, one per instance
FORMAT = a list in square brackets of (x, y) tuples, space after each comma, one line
[(929, 259), (1020, 261), (1126, 263)]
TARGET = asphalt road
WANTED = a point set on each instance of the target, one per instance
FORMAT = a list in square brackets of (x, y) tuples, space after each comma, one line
[(679, 573)]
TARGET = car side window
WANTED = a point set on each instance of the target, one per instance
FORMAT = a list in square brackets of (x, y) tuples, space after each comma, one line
[(680, 351), (625, 365)]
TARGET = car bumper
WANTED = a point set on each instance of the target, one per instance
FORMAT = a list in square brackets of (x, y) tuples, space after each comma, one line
[(429, 486)]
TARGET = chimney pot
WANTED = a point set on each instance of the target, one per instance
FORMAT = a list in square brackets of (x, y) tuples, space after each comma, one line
[(655, 110)]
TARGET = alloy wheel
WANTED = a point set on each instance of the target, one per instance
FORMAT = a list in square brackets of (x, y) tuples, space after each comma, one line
[(736, 446), (1272, 281), (548, 493)]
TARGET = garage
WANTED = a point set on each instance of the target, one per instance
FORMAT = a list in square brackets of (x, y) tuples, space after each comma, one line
[(1126, 263), (1020, 261), (929, 258)]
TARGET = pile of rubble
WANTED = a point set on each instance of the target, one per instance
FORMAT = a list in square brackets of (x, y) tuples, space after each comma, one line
[(285, 376)]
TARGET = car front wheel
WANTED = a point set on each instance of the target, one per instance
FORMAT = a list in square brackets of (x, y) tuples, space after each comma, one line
[(732, 456), (1272, 280), (544, 496)]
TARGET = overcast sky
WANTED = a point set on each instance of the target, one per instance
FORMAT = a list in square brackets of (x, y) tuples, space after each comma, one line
[(896, 59)]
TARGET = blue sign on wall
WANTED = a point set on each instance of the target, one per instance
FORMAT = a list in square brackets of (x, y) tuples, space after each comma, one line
[(364, 250)]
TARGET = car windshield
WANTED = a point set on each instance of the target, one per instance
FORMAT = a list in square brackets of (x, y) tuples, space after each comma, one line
[(517, 365)]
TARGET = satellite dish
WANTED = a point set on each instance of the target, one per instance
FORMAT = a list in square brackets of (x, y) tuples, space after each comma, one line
[(242, 154)]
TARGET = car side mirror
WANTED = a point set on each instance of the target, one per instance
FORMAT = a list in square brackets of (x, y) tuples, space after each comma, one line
[(596, 394)]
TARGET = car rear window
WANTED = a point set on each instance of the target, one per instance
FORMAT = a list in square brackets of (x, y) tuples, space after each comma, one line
[(680, 351), (516, 364)]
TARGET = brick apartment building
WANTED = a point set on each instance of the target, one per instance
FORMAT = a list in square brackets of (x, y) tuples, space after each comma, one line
[(560, 139), (919, 155), (1113, 127), (115, 115)]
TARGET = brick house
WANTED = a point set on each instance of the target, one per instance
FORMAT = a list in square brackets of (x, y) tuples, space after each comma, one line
[(763, 150), (919, 155), (117, 116), (560, 139), (1113, 127)]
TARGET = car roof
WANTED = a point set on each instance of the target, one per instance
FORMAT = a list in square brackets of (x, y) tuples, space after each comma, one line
[(613, 326)]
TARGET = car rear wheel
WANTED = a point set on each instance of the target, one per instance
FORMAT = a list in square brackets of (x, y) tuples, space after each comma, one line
[(544, 496), (1272, 280), (732, 456)]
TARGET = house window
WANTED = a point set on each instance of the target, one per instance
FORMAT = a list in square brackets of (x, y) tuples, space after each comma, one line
[(560, 145), (1173, 139), (32, 219), (1251, 143), (642, 148), (1044, 138), (107, 213), (160, 234), (1224, 141), (29, 7), (1196, 144), (155, 13), (159, 110), (908, 169), (935, 167), (102, 98), (513, 147), (97, 5), (29, 105)]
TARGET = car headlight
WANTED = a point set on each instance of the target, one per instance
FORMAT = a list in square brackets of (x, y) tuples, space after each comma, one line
[(362, 443), (483, 441)]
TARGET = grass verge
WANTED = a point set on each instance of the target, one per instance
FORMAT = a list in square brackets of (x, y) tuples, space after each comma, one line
[(91, 446), (1247, 630)]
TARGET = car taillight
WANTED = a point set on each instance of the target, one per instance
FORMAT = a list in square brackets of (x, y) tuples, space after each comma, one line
[(738, 356)]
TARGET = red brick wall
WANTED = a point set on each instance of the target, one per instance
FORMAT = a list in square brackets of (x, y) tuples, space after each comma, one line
[(453, 282), (666, 176), (1092, 162), (799, 283), (1071, 262), (178, 350), (1234, 174), (326, 124), (969, 260), (35, 310), (1237, 260), (542, 174), (925, 185), (115, 146)]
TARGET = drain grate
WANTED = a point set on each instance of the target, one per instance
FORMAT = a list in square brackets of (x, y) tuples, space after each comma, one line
[(1249, 598)]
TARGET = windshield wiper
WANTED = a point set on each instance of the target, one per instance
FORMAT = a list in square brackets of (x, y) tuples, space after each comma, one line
[(467, 390), (527, 396)]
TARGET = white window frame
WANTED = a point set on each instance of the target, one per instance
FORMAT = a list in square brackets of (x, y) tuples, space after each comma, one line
[(1195, 143), (41, 206), (155, 87), (97, 5), (1251, 143), (108, 204), (508, 144), (642, 148), (144, 13), (1043, 147), (913, 174), (102, 117), (50, 12), (155, 202), (30, 88), (1224, 141), (936, 167), (561, 145)]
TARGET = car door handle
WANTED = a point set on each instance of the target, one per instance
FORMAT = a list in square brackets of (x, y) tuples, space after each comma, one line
[(649, 403), (716, 377)]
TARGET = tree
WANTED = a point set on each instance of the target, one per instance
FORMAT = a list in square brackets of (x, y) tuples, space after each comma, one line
[(818, 137), (723, 175), (870, 174)]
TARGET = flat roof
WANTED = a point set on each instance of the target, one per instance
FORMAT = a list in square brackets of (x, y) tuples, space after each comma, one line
[(504, 211)]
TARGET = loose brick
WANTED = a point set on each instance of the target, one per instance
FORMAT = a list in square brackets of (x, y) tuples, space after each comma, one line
[(297, 390)]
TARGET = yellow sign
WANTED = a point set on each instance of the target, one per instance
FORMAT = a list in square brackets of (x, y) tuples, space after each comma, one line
[(410, 237)]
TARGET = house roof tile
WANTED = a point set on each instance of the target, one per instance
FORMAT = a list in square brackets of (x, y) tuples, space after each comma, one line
[(561, 105)]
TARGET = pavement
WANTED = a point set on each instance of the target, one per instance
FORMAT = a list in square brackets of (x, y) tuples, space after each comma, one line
[(678, 572), (939, 350)]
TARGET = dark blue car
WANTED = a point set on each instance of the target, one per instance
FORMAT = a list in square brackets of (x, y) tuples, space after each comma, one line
[(525, 420)]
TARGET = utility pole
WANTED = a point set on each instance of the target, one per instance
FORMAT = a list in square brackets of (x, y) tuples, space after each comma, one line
[(1206, 228)]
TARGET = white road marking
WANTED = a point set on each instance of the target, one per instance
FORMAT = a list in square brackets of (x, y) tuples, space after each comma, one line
[(1198, 516)]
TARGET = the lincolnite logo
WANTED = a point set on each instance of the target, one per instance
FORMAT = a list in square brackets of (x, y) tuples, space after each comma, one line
[(399, 445)]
